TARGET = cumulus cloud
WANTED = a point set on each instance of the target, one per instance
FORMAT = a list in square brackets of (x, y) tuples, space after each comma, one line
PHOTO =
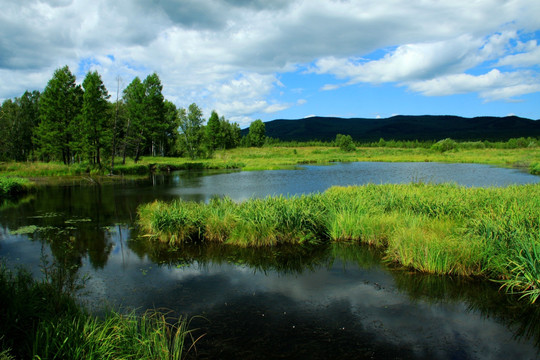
[(530, 56), (227, 54), (439, 68), (493, 85)]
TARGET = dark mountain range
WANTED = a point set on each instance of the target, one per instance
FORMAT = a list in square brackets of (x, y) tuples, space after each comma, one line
[(425, 127)]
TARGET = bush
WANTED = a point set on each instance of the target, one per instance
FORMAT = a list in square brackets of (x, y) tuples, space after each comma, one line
[(445, 145), (345, 142)]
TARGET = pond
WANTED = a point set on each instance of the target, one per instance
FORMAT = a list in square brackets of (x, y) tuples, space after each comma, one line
[(331, 301)]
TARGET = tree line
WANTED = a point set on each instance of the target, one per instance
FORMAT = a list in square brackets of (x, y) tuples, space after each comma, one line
[(75, 123)]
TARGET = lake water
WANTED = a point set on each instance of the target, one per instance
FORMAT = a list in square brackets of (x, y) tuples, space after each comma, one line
[(332, 301)]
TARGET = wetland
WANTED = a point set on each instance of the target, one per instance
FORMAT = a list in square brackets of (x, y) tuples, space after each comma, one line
[(324, 300)]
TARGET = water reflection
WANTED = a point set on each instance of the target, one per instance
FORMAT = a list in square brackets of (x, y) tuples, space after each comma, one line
[(323, 301)]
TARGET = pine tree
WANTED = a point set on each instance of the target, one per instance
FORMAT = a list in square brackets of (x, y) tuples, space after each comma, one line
[(154, 114), (96, 132), (59, 106), (134, 131), (214, 135)]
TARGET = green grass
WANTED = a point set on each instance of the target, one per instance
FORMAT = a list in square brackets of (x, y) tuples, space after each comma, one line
[(283, 157), (42, 320), (14, 186), (116, 336), (439, 229)]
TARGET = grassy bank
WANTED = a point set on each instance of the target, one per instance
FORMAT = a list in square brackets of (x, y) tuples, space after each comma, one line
[(441, 229), (14, 186), (42, 320), (282, 157)]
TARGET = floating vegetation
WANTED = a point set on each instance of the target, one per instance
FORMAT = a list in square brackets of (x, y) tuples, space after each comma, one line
[(75, 221), (25, 230), (46, 215)]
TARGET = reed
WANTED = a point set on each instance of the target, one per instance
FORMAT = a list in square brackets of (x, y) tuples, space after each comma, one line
[(116, 336), (524, 266), (440, 229), (41, 320)]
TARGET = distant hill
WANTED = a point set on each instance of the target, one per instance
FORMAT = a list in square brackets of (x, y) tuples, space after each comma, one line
[(425, 127)]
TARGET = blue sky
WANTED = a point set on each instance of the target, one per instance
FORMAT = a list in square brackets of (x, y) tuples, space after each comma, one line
[(250, 59)]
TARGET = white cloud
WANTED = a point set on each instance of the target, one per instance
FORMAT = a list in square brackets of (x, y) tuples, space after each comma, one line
[(227, 54), (494, 85), (410, 61), (529, 57)]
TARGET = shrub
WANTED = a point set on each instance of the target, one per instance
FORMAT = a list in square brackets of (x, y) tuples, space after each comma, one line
[(445, 145), (345, 142)]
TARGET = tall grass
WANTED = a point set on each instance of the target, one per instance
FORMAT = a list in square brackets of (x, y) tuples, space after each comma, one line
[(440, 229), (258, 222), (14, 186), (115, 336), (42, 321)]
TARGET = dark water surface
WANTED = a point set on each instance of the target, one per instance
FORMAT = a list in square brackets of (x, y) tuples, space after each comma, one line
[(330, 301)]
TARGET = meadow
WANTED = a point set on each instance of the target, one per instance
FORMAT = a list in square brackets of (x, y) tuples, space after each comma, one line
[(446, 229), (287, 156)]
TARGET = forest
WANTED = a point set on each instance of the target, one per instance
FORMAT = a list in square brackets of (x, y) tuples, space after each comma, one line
[(73, 123)]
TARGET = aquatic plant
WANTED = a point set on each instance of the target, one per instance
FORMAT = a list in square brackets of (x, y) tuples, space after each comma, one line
[(149, 336), (41, 320), (440, 229), (524, 266)]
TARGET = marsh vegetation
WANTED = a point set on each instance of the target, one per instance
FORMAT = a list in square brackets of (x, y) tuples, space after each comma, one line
[(440, 229), (279, 272), (43, 319)]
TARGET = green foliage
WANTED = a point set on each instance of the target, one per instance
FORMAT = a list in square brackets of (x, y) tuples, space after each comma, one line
[(74, 125), (534, 168), (345, 142), (60, 105), (220, 133), (134, 130), (115, 336), (441, 229), (213, 131), (524, 269), (192, 132), (445, 145), (257, 133), (155, 126), (13, 186), (41, 320), (231, 134), (95, 130), (18, 119)]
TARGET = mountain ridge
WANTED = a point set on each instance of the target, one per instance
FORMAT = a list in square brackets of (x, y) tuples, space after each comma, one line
[(403, 127)]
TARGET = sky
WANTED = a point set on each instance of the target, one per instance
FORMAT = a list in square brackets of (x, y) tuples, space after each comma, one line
[(288, 59)]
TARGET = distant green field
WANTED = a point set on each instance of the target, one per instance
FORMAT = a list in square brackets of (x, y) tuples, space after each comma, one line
[(284, 157)]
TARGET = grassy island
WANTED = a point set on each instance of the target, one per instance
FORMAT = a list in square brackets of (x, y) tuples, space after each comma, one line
[(441, 229)]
